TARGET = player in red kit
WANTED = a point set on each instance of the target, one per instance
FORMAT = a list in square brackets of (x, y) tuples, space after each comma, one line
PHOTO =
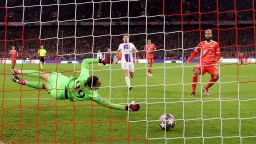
[(242, 59), (119, 57), (13, 55), (209, 56), (150, 48)]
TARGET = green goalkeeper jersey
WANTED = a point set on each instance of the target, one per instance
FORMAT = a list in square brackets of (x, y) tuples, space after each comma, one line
[(77, 89)]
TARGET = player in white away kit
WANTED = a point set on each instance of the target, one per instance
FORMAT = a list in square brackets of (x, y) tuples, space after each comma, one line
[(127, 63), (99, 56)]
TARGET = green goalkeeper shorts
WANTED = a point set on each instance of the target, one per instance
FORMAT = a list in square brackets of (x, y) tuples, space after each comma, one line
[(57, 84)]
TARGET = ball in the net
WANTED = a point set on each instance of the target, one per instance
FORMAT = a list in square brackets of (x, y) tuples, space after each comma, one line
[(167, 122)]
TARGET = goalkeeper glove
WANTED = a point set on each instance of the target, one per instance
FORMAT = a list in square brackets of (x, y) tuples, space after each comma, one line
[(132, 107), (105, 61)]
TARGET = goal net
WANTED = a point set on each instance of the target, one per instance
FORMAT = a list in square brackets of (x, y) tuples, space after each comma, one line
[(73, 30)]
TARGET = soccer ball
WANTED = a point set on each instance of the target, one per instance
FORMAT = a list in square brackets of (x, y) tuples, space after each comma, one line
[(167, 122)]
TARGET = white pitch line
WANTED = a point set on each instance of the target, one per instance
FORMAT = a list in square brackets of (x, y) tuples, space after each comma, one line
[(235, 76)]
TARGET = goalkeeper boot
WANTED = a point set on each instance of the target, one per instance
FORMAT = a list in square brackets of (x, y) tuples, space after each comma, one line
[(18, 80), (193, 94), (130, 88), (206, 92)]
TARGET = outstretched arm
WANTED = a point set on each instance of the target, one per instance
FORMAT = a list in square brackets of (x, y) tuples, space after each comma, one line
[(86, 62), (134, 49), (193, 54), (84, 74), (218, 53), (101, 101), (119, 48)]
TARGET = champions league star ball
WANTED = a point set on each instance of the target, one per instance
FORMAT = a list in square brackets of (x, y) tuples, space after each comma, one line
[(167, 122)]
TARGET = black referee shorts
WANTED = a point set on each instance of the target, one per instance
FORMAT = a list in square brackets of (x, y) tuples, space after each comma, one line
[(42, 59)]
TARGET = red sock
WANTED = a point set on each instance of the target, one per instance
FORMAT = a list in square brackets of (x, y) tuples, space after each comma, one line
[(150, 70), (211, 82), (194, 80)]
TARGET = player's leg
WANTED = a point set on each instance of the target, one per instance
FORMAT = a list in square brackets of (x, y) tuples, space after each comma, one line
[(32, 84), (149, 66), (32, 73), (240, 61), (46, 86), (214, 72), (127, 78), (131, 76), (41, 63), (55, 84), (126, 73), (13, 63), (196, 73), (243, 62), (99, 58), (131, 72)]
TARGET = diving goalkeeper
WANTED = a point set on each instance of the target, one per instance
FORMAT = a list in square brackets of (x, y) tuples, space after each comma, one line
[(75, 89)]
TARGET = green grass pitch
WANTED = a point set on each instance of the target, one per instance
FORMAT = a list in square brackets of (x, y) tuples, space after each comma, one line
[(227, 116)]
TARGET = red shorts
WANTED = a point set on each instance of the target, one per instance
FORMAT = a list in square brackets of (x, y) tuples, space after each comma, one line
[(13, 61), (150, 60), (119, 56), (242, 60), (210, 69)]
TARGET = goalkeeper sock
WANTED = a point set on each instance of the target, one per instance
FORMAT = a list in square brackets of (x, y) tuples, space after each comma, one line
[(41, 66), (35, 84), (127, 79), (211, 82), (194, 81), (31, 73), (150, 70)]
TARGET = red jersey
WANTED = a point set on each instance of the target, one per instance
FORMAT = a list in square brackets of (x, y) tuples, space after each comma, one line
[(150, 48), (209, 53), (241, 56), (13, 54), (119, 56)]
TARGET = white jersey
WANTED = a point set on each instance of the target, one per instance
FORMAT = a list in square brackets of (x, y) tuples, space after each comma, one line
[(126, 50), (99, 55)]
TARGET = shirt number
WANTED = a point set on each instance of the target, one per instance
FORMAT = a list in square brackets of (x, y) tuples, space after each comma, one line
[(79, 93)]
